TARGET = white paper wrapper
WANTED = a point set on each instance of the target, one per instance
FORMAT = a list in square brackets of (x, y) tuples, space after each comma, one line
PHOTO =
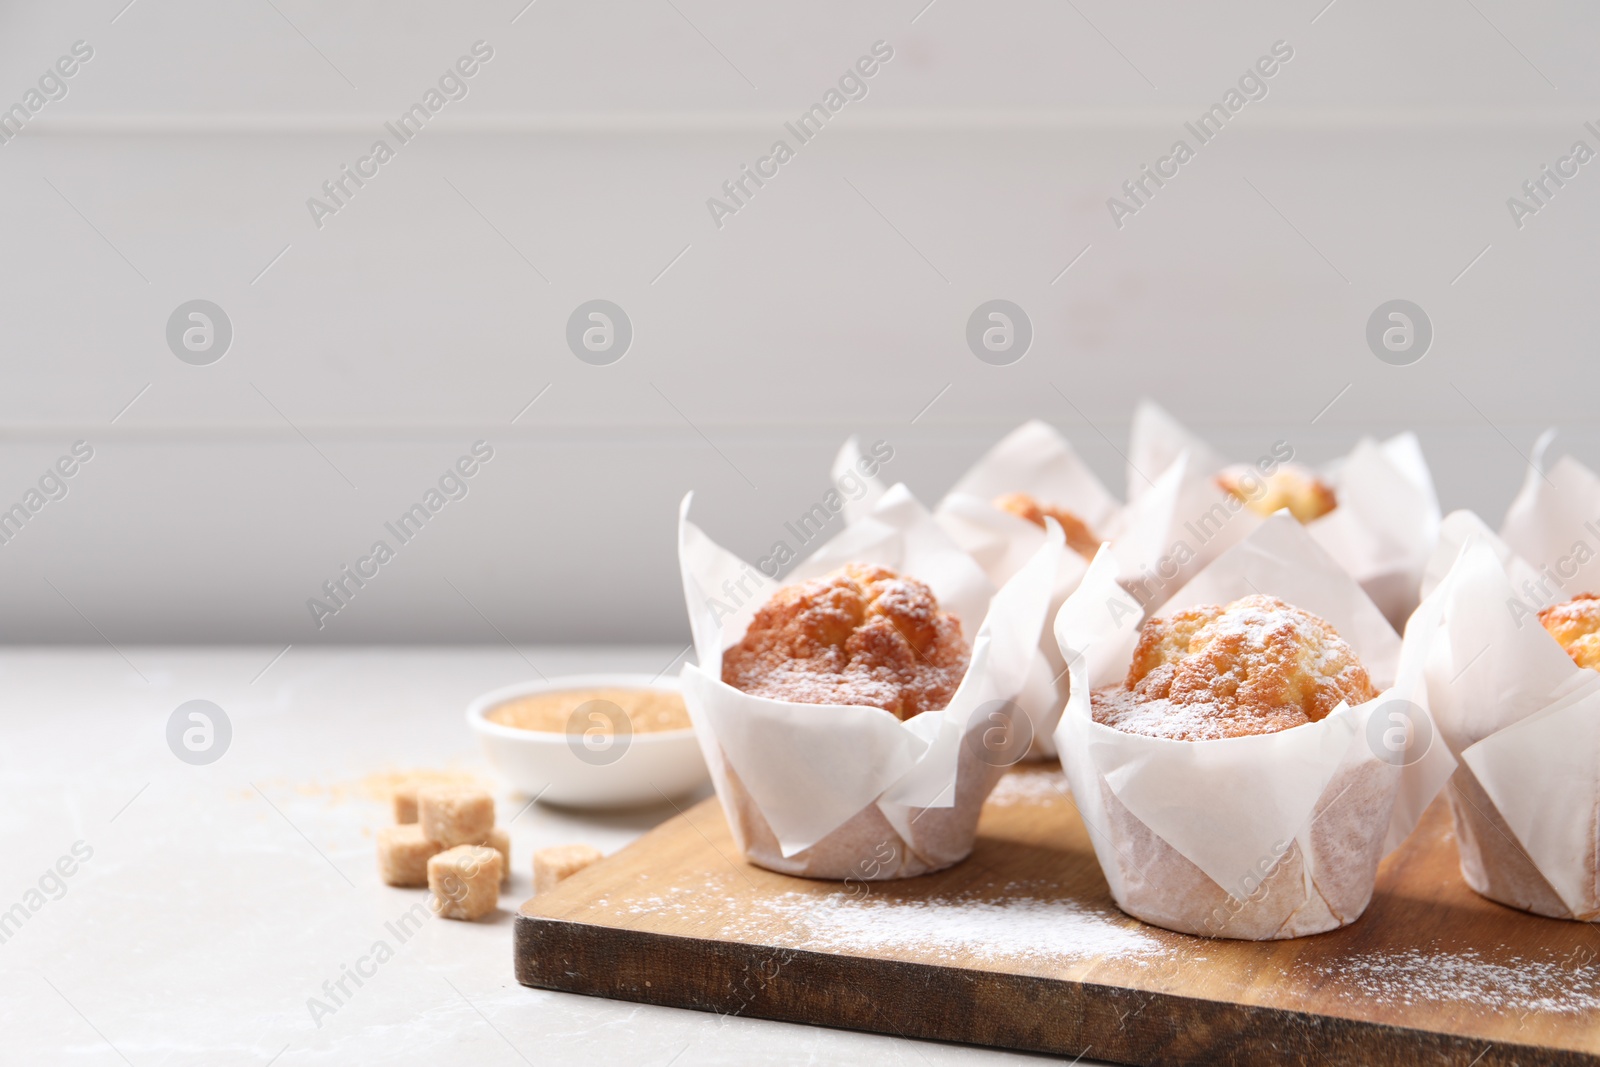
[(1521, 716), (831, 791), (1156, 440), (1037, 460), (1554, 523), (1382, 533), (1455, 531), (1032, 459), (1270, 836), (1156, 544)]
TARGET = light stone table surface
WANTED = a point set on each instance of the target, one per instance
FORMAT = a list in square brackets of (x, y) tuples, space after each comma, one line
[(217, 900)]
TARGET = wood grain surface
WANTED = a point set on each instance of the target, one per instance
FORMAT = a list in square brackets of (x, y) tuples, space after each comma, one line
[(1021, 947)]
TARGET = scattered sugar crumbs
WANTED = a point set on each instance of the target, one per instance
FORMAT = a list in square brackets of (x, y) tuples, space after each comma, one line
[(377, 787), (1021, 925), (1415, 976)]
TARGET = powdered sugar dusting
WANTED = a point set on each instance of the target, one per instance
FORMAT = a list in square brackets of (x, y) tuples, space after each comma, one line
[(860, 635), (1160, 717), (1019, 926), (1029, 788), (1255, 666), (1414, 976)]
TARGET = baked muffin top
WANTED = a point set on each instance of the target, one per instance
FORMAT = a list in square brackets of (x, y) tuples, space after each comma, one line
[(1080, 538), (860, 635), (1290, 486), (1576, 627), (1255, 666)]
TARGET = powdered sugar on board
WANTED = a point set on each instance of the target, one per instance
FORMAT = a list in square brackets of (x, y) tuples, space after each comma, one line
[(1562, 985), (1020, 926), (1030, 787)]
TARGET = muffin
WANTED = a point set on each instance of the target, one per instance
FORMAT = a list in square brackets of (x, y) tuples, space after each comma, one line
[(1516, 705), (1080, 538), (1192, 766), (854, 718), (862, 636), (1493, 862), (1289, 486), (858, 635), (1255, 666)]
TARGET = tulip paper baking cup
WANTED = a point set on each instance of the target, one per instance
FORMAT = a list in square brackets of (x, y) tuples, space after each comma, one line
[(1382, 533), (1032, 459), (1553, 526), (1523, 720), (850, 792), (1259, 837)]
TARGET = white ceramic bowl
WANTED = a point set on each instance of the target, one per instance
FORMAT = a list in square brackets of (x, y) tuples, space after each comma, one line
[(648, 769)]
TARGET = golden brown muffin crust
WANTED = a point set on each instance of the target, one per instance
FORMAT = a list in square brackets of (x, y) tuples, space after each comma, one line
[(1080, 538), (1256, 666), (1290, 486), (1576, 627), (860, 635)]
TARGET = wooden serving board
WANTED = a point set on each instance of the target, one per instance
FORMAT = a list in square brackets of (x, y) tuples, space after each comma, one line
[(1021, 947)]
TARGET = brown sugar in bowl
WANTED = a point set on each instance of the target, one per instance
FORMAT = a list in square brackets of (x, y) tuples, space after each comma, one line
[(591, 740), (649, 710)]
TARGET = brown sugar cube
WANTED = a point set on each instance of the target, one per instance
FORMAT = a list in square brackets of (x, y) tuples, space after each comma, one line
[(405, 803), (403, 854), (500, 841), (553, 865), (453, 816), (465, 882)]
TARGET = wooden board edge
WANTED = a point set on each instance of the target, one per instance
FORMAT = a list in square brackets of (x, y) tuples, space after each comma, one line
[(923, 1001)]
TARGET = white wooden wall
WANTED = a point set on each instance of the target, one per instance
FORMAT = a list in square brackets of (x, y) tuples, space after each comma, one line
[(368, 354)]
